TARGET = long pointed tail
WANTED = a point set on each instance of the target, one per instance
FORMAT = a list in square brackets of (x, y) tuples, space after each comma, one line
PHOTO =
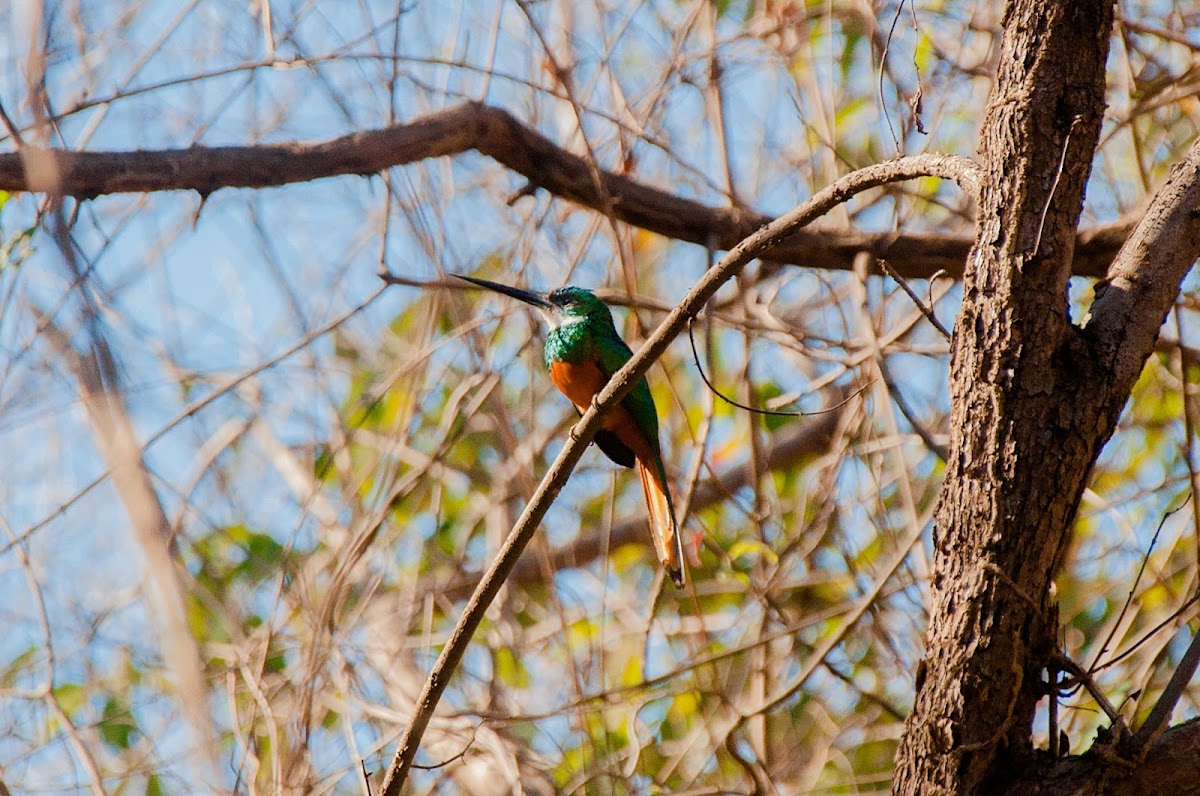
[(668, 542)]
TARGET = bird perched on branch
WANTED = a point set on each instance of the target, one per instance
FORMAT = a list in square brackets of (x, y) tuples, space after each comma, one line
[(582, 352)]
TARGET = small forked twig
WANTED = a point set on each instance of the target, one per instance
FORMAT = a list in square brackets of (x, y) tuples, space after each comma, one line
[(925, 309), (1085, 679), (1095, 667)]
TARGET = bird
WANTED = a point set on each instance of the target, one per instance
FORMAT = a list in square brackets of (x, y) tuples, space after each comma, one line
[(582, 352)]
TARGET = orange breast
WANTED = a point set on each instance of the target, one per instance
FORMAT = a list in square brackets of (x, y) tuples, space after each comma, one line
[(581, 382)]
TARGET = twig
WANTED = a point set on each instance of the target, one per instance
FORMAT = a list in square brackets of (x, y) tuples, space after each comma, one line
[(45, 691), (197, 406), (818, 655), (1052, 689), (13, 130), (915, 101), (1149, 634), (607, 202), (449, 760), (1085, 679), (887, 44), (1156, 722), (1052, 712), (1189, 420), (1133, 589), (774, 413), (1160, 714), (1062, 163), (925, 309), (752, 768), (909, 415), (962, 170)]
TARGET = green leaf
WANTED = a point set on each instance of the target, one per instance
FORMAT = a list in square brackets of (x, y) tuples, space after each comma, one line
[(276, 663), (71, 696), (509, 669), (764, 394), (17, 666), (117, 725), (751, 547)]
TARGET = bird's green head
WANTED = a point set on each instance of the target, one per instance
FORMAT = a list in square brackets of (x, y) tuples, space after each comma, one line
[(576, 303)]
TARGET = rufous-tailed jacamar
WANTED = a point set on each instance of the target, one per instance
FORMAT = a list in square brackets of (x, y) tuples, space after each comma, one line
[(582, 352)]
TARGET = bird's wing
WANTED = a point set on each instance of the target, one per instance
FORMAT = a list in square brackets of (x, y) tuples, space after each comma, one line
[(612, 446), (639, 403)]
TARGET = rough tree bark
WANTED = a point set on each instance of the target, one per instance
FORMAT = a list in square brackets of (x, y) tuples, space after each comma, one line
[(1034, 398)]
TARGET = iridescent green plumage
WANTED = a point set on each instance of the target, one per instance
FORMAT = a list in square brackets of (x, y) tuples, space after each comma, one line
[(582, 352), (587, 333)]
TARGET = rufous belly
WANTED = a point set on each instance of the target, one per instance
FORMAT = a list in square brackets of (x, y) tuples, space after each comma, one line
[(581, 382)]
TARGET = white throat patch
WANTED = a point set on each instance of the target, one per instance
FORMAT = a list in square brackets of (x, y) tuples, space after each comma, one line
[(557, 319)]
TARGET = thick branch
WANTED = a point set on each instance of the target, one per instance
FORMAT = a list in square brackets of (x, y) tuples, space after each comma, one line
[(497, 134), (1144, 281), (962, 170), (1170, 765)]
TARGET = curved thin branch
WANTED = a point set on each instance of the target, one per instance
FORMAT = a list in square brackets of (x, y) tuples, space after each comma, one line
[(502, 137), (753, 409), (960, 169)]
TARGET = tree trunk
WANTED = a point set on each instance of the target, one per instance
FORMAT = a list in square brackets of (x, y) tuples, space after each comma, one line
[(1024, 432)]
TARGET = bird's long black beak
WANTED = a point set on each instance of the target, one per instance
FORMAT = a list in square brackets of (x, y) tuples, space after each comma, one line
[(528, 296)]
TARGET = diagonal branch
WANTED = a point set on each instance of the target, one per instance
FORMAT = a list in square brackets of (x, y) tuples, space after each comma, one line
[(1160, 714), (502, 137), (959, 169), (1143, 284)]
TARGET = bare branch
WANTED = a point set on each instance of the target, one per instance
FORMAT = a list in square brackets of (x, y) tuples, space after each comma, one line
[(1144, 281), (499, 135), (1180, 678), (122, 453), (925, 309)]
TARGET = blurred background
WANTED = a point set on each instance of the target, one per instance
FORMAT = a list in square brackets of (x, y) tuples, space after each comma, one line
[(332, 459)]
